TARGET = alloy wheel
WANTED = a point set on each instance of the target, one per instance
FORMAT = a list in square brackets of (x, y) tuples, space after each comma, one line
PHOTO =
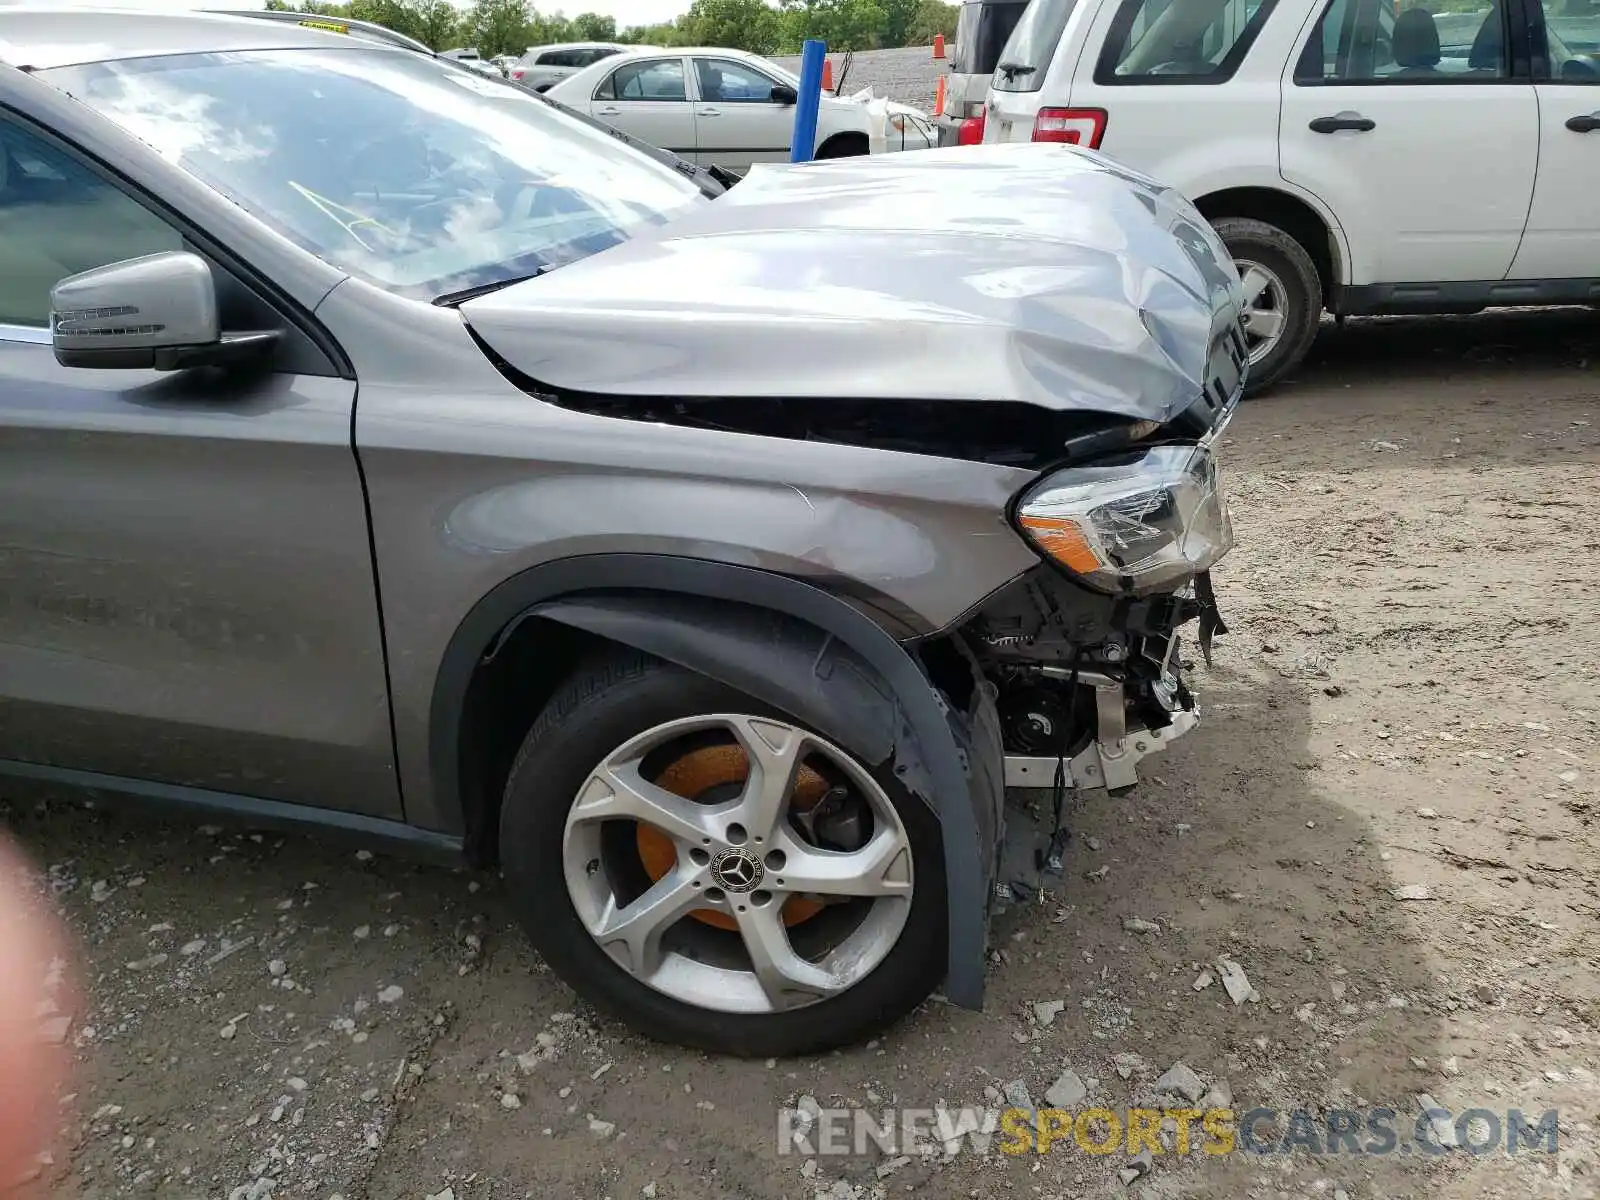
[(738, 863), (1266, 314)]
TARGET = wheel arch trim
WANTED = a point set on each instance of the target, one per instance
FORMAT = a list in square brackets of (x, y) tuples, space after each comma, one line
[(697, 613), (1218, 202)]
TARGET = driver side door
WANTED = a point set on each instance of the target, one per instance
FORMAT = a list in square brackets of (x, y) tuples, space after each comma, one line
[(737, 122), (189, 597)]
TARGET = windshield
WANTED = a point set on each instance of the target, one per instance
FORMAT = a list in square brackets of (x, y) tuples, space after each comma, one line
[(1027, 54), (1575, 24), (767, 66), (1574, 45), (416, 175), (981, 32)]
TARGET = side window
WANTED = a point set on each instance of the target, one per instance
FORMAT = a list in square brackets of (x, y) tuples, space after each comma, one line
[(727, 82), (600, 52), (1180, 41), (1319, 59), (1367, 42), (58, 218), (1572, 40), (661, 79)]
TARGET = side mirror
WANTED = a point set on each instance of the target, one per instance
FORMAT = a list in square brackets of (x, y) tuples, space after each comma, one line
[(782, 93), (156, 312)]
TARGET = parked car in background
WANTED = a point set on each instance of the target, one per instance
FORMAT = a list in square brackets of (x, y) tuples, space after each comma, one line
[(1353, 160), (728, 108), (982, 28), (473, 60), (713, 612), (543, 66)]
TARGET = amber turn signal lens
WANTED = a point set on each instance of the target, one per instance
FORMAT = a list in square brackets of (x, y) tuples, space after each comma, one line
[(1063, 541)]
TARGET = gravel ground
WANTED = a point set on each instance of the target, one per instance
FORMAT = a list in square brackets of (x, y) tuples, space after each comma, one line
[(1404, 704), (908, 74)]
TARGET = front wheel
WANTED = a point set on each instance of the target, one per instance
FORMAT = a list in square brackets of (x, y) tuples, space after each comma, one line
[(844, 145), (1283, 297), (714, 873)]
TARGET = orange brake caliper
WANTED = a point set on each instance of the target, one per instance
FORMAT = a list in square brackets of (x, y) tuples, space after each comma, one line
[(692, 776)]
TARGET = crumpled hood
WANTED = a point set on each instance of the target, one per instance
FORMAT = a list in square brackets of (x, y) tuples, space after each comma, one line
[(1031, 273)]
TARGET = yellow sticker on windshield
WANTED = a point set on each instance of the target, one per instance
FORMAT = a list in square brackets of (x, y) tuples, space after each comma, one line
[(330, 26)]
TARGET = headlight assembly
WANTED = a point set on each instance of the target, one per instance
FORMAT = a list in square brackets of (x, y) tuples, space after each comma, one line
[(1144, 521)]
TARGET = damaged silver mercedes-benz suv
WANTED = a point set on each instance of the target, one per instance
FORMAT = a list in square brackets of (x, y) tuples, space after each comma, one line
[(412, 459)]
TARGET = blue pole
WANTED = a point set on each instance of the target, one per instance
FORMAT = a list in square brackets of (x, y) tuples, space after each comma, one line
[(805, 106)]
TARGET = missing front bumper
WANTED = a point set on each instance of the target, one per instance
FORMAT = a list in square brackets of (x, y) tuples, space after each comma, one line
[(1112, 766), (1112, 760)]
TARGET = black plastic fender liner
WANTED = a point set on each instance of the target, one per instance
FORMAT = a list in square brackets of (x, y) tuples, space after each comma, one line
[(809, 653), (773, 657)]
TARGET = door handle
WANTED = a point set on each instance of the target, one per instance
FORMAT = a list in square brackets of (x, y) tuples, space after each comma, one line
[(1354, 122), (1586, 124), (608, 112), (709, 112)]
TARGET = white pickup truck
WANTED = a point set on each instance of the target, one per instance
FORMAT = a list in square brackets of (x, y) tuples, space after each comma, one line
[(1354, 158)]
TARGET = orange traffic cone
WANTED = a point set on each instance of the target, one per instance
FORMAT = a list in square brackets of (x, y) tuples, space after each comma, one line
[(938, 97), (938, 45), (827, 74)]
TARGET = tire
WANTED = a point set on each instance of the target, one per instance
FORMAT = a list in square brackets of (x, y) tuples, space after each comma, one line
[(607, 702), (844, 145), (1295, 275)]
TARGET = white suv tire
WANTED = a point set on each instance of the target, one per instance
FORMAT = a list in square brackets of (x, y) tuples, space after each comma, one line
[(1281, 319)]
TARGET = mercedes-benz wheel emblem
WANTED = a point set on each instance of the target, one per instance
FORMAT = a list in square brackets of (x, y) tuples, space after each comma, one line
[(737, 870)]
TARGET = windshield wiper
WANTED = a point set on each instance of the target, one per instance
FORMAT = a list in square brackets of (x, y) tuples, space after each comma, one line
[(1012, 70), (451, 299)]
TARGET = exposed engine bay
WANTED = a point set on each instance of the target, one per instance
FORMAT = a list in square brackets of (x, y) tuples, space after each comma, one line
[(1085, 686), (1090, 681)]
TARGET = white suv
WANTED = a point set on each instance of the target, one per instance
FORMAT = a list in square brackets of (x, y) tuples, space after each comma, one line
[(1352, 158)]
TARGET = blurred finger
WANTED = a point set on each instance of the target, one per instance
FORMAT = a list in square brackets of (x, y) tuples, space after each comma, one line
[(36, 1014)]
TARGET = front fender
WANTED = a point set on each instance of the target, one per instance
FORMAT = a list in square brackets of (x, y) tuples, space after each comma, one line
[(776, 658), (815, 656)]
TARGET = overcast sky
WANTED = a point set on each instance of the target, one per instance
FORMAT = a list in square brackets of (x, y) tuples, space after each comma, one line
[(626, 12)]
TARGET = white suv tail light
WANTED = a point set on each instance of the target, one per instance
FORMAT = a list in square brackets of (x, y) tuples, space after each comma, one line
[(1073, 126)]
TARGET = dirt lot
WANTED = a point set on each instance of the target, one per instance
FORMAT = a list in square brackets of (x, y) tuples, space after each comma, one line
[(1405, 701)]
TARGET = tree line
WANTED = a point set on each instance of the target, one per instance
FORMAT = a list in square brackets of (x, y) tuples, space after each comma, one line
[(495, 27)]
